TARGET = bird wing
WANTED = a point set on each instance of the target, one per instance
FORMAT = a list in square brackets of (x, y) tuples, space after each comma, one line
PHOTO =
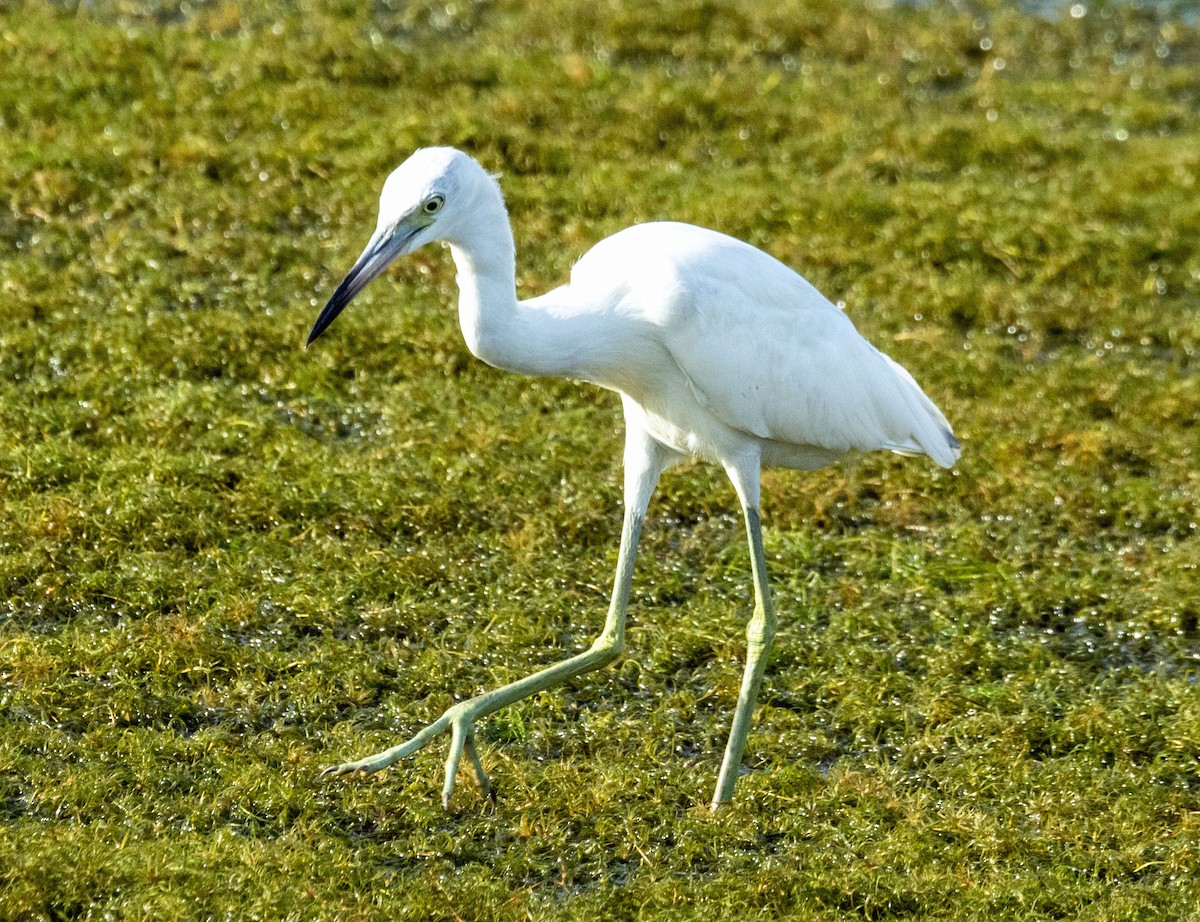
[(810, 382), (768, 355)]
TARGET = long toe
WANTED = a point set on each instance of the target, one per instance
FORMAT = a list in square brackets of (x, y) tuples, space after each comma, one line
[(346, 768)]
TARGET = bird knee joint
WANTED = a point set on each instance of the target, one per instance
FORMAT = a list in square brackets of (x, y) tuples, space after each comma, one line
[(609, 646), (761, 629), (763, 620)]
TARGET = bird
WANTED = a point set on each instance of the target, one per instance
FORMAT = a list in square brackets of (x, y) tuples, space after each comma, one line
[(719, 352)]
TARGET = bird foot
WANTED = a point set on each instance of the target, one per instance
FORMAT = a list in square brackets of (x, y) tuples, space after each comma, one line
[(460, 721)]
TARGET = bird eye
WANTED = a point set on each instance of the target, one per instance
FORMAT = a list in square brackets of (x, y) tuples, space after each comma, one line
[(434, 204)]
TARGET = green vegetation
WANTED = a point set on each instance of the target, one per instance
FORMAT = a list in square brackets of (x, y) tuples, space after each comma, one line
[(227, 562)]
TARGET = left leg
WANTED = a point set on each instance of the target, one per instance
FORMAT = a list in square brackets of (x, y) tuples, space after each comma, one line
[(759, 634)]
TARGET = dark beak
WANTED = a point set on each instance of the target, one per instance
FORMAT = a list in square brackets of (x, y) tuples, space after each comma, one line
[(383, 247)]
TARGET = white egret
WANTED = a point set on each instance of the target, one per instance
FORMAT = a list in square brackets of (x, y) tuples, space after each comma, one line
[(718, 351)]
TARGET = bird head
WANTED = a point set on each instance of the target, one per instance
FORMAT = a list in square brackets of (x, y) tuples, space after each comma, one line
[(426, 198)]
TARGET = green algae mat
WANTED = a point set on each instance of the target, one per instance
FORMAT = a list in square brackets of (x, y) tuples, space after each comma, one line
[(227, 563)]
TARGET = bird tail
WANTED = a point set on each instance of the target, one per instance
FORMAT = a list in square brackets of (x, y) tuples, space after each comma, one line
[(931, 433)]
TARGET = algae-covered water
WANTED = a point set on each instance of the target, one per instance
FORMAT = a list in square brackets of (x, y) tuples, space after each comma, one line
[(227, 562)]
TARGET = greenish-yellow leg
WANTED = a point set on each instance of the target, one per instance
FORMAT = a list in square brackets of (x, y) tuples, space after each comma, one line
[(641, 477), (758, 643)]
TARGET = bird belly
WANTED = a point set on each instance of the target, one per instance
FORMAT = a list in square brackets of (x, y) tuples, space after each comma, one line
[(683, 423), (798, 457), (680, 422)]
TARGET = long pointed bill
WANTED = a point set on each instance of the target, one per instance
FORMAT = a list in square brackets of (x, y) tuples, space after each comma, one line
[(384, 246)]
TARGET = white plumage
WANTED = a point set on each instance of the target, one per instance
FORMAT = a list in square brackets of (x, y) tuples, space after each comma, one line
[(718, 350), (759, 350)]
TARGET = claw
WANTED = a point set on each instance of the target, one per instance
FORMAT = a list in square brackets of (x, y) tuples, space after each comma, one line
[(346, 768), (478, 775), (461, 723), (462, 741), (453, 759)]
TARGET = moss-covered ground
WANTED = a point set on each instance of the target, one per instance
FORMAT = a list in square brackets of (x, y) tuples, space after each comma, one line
[(227, 562)]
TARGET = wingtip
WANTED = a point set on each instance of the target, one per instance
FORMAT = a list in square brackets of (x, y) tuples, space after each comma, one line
[(955, 447)]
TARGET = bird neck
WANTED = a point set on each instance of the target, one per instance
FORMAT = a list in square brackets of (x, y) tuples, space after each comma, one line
[(497, 328), (542, 336), (487, 293)]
